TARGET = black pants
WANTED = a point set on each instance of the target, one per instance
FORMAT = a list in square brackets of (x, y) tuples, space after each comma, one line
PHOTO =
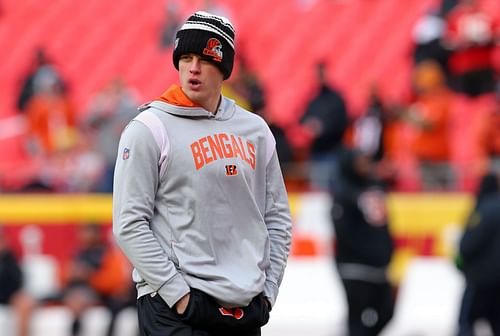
[(370, 306), (479, 302), (203, 317)]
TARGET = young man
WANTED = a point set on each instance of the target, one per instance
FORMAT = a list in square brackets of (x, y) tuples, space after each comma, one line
[(199, 204)]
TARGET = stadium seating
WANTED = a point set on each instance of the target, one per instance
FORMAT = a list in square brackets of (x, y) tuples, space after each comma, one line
[(92, 41)]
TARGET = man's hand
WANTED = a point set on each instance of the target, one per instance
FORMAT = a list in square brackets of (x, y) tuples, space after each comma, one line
[(181, 305)]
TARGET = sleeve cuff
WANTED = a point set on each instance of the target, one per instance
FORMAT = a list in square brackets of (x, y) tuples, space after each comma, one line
[(271, 292), (173, 290)]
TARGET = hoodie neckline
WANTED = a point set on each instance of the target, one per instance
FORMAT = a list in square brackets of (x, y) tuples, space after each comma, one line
[(175, 101), (175, 96)]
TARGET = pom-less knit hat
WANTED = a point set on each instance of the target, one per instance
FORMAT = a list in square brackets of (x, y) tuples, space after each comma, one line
[(210, 36)]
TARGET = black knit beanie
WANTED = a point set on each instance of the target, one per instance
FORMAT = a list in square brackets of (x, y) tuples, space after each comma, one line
[(210, 36)]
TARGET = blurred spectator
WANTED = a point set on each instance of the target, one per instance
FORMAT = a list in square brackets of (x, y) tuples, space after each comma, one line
[(427, 38), (53, 138), (108, 114), (364, 246), (97, 275), (42, 71), (50, 116), (430, 117), (373, 134), (12, 292), (471, 35), (479, 252), (322, 127), (170, 25)]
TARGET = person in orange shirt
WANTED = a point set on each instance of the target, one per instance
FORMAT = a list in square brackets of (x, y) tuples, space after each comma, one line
[(429, 116), (51, 119)]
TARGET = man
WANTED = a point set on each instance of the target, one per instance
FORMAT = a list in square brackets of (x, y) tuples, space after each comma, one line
[(199, 205), (323, 126), (364, 246)]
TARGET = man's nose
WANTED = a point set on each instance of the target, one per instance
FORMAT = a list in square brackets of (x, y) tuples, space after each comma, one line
[(195, 65)]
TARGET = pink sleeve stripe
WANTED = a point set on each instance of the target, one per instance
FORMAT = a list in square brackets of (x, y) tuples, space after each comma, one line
[(271, 146)]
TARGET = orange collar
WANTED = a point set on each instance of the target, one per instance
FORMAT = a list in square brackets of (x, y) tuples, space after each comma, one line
[(174, 95)]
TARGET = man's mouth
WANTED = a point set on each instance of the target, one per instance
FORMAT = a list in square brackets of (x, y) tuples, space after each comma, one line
[(194, 82)]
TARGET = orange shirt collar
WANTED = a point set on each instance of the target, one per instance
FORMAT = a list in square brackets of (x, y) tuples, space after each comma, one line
[(174, 95)]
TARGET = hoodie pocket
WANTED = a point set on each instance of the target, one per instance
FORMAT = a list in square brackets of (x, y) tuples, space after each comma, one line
[(204, 312)]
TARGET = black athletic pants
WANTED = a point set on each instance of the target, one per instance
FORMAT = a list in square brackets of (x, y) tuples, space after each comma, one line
[(203, 317), (479, 302), (370, 306)]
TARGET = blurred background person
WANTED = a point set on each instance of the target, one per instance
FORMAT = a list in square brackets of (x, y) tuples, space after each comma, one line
[(429, 116), (42, 70), (12, 292), (375, 133), (363, 246), (427, 36), (479, 255), (97, 275), (321, 129), (51, 116)]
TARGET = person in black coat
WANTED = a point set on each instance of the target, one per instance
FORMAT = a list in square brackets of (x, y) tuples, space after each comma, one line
[(324, 123), (364, 247), (479, 260)]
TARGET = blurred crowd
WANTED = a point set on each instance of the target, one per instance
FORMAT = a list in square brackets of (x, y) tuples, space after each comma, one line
[(72, 153), (96, 274), (444, 137)]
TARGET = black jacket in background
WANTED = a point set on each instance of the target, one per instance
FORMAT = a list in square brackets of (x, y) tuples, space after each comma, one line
[(358, 241), (480, 243), (329, 107)]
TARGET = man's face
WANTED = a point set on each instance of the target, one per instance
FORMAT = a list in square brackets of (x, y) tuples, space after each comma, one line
[(200, 80)]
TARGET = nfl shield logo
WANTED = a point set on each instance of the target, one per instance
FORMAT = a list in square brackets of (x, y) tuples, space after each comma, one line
[(126, 154)]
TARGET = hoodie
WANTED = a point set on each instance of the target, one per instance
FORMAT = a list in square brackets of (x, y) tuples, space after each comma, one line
[(199, 202)]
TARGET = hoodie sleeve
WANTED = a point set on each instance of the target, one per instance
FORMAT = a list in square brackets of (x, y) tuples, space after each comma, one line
[(279, 225), (135, 185)]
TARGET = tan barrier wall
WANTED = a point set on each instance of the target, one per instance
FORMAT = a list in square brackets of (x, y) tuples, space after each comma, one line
[(422, 224)]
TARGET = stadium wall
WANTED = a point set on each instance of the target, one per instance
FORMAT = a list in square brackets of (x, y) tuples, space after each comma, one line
[(422, 224)]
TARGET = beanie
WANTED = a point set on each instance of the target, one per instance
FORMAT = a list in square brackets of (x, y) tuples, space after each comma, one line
[(210, 36)]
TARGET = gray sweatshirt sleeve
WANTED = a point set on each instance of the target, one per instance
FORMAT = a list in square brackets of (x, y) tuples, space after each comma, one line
[(279, 225), (135, 185)]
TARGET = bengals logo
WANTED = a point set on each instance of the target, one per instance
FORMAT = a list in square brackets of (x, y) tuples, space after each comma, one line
[(214, 49), (231, 170)]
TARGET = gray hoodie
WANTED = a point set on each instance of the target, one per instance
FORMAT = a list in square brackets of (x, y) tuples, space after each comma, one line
[(199, 202)]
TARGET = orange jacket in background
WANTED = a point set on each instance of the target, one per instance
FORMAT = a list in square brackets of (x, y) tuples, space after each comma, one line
[(51, 121), (433, 144)]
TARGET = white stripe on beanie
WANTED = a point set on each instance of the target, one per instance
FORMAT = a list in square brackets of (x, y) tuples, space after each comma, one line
[(207, 24)]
